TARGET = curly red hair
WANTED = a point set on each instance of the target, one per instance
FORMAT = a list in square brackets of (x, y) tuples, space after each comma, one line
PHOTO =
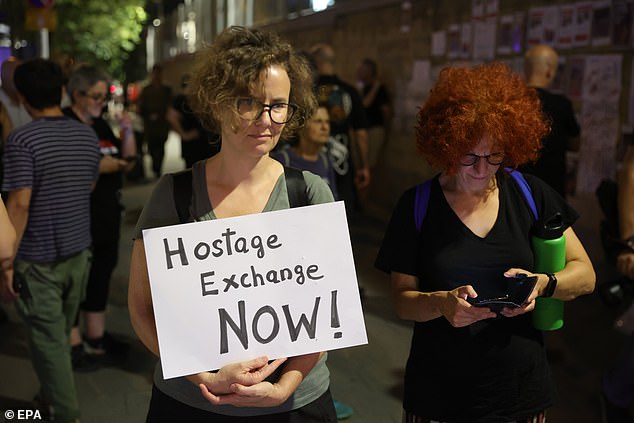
[(467, 104)]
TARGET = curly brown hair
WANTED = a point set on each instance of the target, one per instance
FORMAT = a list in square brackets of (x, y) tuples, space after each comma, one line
[(467, 104), (231, 67)]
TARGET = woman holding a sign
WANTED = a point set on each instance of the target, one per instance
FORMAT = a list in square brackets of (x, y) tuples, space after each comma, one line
[(253, 89), (468, 239)]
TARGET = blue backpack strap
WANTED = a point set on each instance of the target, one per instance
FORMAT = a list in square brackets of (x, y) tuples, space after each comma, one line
[(422, 201), (526, 190)]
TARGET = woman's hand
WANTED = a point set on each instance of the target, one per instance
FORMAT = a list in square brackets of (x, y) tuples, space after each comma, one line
[(459, 312), (232, 377), (542, 281), (263, 394)]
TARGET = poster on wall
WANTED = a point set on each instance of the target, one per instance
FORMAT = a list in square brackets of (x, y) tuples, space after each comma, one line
[(454, 41), (510, 34), (600, 129), (583, 23), (601, 23), (477, 9), (491, 9), (576, 66), (566, 33), (542, 25), (438, 43), (621, 23), (484, 39), (466, 40)]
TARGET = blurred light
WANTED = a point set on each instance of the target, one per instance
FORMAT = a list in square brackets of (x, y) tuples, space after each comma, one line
[(319, 5), (156, 22)]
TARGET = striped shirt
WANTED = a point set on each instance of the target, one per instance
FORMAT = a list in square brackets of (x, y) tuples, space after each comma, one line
[(58, 159)]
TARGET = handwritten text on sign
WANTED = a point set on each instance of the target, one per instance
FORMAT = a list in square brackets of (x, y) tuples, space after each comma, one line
[(279, 284)]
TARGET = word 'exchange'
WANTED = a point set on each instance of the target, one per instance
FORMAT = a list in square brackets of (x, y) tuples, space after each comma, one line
[(229, 244)]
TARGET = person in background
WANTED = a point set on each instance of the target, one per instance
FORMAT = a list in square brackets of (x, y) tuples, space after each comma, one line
[(348, 128), (88, 90), (540, 63), (51, 165), (617, 384), (242, 89), (7, 240), (378, 108), (196, 142), (12, 111), (308, 152), (10, 98), (153, 103), (468, 363)]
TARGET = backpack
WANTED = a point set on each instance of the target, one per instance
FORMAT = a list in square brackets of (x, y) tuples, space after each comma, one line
[(423, 192), (295, 185)]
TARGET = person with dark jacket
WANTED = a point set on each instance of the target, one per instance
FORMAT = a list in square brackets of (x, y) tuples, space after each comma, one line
[(540, 64), (88, 89)]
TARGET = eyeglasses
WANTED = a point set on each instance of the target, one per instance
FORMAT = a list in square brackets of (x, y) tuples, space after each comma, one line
[(251, 109), (494, 159), (99, 97)]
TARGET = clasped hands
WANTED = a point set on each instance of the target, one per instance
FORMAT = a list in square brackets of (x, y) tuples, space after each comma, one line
[(243, 384), (460, 313)]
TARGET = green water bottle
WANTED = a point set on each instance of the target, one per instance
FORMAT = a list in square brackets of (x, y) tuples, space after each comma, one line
[(549, 248)]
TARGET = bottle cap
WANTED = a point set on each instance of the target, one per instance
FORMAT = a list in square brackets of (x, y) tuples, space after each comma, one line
[(550, 228)]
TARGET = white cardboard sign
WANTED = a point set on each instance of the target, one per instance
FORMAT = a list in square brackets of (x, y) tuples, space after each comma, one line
[(279, 284)]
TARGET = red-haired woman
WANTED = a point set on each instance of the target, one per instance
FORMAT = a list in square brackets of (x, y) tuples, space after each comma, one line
[(466, 363)]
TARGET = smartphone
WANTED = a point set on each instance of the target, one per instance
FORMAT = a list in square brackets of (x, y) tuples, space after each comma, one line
[(20, 286), (519, 288)]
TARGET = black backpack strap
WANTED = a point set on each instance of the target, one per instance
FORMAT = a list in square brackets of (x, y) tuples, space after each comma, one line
[(183, 194), (296, 187)]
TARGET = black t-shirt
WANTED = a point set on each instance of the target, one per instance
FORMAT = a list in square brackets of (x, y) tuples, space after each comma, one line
[(375, 112), (105, 207), (551, 165), (346, 114), (493, 370), (202, 147)]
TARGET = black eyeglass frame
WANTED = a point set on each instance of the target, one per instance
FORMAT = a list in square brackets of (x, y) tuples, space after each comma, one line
[(473, 159), (96, 97), (291, 109)]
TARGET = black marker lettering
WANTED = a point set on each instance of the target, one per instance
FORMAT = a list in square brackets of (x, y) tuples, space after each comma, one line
[(180, 251), (239, 331), (293, 330), (204, 284), (276, 325)]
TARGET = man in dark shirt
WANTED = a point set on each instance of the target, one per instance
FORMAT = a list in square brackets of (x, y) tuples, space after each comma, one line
[(378, 108), (51, 165), (541, 68), (154, 101), (348, 127), (196, 142)]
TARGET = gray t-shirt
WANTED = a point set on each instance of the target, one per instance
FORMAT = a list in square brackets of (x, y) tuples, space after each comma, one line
[(161, 211)]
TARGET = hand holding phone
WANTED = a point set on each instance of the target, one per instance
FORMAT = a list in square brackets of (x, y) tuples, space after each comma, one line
[(519, 289)]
